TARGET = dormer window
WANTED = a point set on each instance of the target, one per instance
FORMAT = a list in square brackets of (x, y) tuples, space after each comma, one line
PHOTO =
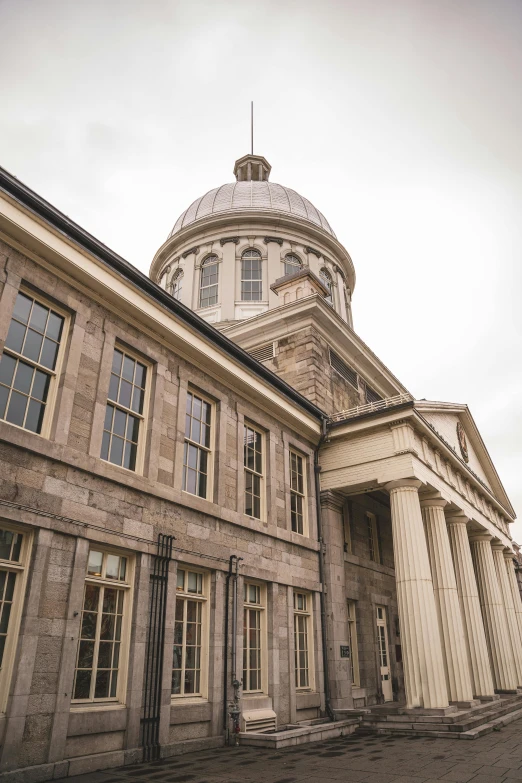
[(292, 264), (208, 287), (326, 279), (251, 276)]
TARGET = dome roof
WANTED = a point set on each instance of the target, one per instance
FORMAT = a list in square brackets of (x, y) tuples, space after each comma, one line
[(251, 194)]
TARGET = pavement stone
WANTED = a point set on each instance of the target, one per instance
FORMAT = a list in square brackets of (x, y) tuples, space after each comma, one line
[(495, 758)]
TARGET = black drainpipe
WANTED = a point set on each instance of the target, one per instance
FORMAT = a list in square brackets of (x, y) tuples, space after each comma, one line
[(225, 662), (322, 597)]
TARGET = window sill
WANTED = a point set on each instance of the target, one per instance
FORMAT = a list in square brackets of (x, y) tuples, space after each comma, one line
[(96, 705)]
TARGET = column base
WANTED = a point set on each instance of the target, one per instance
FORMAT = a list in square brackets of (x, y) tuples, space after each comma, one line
[(507, 691), (465, 705), (492, 697), (429, 711)]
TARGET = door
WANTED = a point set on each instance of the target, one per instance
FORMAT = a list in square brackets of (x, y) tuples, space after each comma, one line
[(384, 654)]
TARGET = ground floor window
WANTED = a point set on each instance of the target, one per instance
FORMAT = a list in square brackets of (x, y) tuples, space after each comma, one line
[(14, 551), (190, 632), (104, 629), (303, 640), (253, 637)]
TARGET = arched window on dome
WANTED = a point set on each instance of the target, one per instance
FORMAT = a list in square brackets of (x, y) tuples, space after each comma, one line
[(208, 285), (177, 284), (326, 280), (251, 276), (292, 264)]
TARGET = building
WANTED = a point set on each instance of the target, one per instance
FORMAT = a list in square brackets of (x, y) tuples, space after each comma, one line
[(208, 477)]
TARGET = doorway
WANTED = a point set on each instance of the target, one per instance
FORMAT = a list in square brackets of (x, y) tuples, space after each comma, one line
[(384, 654)]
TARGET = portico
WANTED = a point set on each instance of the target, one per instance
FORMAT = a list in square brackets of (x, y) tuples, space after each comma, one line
[(459, 607)]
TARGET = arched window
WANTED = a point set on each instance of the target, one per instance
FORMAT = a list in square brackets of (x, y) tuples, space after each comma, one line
[(326, 280), (251, 276), (292, 264), (177, 284), (208, 286)]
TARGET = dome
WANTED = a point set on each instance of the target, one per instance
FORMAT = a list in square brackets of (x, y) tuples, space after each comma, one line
[(251, 193)]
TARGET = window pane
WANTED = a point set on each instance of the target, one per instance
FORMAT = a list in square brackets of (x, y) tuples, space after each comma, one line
[(94, 567), (125, 393), (22, 308), (49, 354), (4, 394), (40, 385), (7, 367), (105, 445), (39, 317), (116, 361), (113, 387), (16, 410), (82, 685), (101, 690), (128, 368), (23, 377), (33, 344), (35, 415), (15, 336), (54, 326)]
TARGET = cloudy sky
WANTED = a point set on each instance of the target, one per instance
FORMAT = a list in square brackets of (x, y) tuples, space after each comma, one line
[(401, 120)]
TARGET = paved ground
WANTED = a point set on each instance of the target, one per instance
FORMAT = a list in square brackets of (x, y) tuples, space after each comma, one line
[(354, 759)]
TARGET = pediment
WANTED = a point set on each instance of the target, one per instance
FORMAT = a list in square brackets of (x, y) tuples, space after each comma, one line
[(455, 424)]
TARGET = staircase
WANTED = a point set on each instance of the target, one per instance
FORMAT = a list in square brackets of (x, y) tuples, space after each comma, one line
[(456, 723)]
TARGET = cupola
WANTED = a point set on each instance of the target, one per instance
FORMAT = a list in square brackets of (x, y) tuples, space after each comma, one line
[(252, 168)]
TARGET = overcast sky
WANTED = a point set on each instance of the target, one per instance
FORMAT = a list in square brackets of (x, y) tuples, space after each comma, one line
[(401, 120)]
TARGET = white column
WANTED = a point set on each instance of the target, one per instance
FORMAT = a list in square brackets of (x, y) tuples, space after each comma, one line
[(424, 678), (507, 598), (480, 667), (447, 601), (499, 645), (515, 592)]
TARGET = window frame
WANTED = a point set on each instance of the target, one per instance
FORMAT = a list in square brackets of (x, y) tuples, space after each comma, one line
[(295, 266), (373, 537), (354, 646), (204, 599), (21, 568), (261, 608), (325, 274), (211, 450), (303, 495), (176, 284), (262, 476), (143, 416), (309, 623), (211, 260), (127, 587), (244, 257), (54, 375)]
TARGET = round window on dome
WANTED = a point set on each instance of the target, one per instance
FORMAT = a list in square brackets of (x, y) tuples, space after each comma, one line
[(292, 264)]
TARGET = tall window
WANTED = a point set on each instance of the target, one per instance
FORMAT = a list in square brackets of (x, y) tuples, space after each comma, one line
[(189, 633), (177, 284), (13, 559), (103, 628), (292, 264), (302, 639), (297, 493), (196, 453), (124, 412), (347, 527), (352, 638), (373, 537), (251, 276), (253, 630), (326, 280), (208, 287), (254, 471), (28, 364)]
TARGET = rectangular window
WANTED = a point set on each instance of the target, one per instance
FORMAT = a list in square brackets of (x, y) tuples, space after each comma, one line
[(352, 636), (29, 362), (254, 471), (373, 537), (124, 419), (251, 277), (302, 640), (14, 549), (103, 630), (253, 637), (197, 447), (188, 673), (297, 493)]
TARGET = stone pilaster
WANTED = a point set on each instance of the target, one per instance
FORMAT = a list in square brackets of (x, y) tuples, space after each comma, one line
[(452, 635), (425, 682), (339, 676), (515, 592), (480, 668), (507, 598), (499, 644)]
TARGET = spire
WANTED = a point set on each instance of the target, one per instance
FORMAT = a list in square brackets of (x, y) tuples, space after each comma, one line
[(252, 167)]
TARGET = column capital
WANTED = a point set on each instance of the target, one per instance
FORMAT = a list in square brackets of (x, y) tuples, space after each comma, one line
[(508, 554), (498, 546), (432, 500), (405, 483), (457, 518), (476, 537)]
